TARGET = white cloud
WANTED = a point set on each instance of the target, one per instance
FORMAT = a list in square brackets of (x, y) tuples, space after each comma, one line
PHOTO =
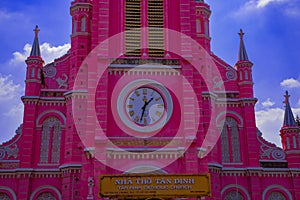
[(49, 53), (11, 109), (5, 15), (290, 83), (16, 111), (255, 6), (267, 103), (264, 3), (8, 89), (270, 121)]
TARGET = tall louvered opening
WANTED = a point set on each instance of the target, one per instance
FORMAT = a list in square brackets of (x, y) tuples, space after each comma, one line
[(156, 28), (132, 27)]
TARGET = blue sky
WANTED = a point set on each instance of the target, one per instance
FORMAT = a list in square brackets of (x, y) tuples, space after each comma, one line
[(272, 41)]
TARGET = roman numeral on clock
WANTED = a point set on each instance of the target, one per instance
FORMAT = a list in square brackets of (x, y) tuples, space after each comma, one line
[(131, 113)]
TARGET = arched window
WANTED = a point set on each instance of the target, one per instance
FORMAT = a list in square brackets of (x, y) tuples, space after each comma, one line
[(288, 143), (246, 75), (230, 141), (46, 196), (276, 196), (198, 26), (32, 73), (50, 141), (294, 142), (206, 28), (75, 26), (4, 196), (234, 195), (83, 24)]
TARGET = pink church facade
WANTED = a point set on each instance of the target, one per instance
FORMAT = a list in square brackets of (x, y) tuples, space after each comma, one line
[(140, 91)]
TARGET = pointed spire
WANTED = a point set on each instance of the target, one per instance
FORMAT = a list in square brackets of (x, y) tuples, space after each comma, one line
[(289, 119), (242, 51), (35, 51)]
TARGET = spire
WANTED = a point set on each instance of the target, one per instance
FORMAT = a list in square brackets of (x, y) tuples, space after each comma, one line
[(242, 51), (35, 51), (289, 119)]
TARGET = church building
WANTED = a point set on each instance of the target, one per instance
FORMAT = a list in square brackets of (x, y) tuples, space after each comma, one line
[(139, 93)]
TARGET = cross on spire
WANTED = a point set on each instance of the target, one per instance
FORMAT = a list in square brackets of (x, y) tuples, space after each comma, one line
[(241, 34), (35, 51), (36, 30), (242, 51), (287, 96), (289, 119)]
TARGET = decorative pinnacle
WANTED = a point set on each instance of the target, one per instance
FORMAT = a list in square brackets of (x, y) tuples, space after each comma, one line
[(242, 51), (36, 31), (35, 51), (289, 119)]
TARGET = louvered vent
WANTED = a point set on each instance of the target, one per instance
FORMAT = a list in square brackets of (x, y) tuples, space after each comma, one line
[(156, 25), (132, 27)]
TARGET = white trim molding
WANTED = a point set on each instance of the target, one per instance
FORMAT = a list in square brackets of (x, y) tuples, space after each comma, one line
[(49, 188), (278, 188), (235, 186), (11, 192)]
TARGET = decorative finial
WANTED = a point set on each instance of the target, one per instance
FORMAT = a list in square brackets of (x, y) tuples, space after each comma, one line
[(241, 33), (242, 51), (36, 31), (35, 51), (287, 96)]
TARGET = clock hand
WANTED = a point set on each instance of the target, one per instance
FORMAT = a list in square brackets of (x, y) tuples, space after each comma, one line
[(142, 113), (144, 107), (149, 101)]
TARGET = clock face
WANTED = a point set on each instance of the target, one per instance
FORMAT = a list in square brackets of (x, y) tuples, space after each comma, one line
[(145, 106)]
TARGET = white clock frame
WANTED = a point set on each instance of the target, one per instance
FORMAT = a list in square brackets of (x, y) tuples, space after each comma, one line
[(121, 103)]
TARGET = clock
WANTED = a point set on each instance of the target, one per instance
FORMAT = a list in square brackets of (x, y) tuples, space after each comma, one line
[(145, 105)]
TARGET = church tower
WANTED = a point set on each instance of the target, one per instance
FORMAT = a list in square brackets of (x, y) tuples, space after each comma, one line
[(245, 85), (290, 137), (244, 68), (33, 84), (34, 78), (203, 13), (81, 13)]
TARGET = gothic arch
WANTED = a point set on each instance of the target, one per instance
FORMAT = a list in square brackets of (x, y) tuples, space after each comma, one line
[(230, 141), (235, 187), (277, 188), (9, 191), (50, 142), (46, 188), (41, 118), (229, 113)]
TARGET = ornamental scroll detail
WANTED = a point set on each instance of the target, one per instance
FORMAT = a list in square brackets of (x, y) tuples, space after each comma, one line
[(231, 75), (9, 151), (63, 82), (268, 150), (50, 71)]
